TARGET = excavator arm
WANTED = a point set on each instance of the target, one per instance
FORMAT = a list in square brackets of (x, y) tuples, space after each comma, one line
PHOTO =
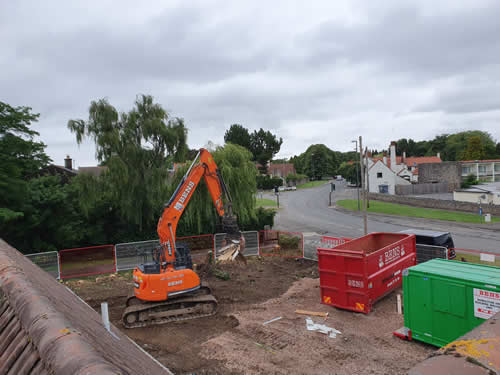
[(202, 166)]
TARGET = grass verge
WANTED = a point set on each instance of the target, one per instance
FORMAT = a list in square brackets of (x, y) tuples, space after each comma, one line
[(475, 259), (264, 202), (311, 184), (403, 210)]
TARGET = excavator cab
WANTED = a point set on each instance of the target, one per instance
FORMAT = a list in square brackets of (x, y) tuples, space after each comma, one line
[(167, 289)]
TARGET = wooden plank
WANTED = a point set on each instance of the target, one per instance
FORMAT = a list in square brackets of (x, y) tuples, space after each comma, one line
[(313, 313)]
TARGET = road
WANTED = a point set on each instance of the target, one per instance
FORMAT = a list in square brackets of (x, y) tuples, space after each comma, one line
[(307, 210)]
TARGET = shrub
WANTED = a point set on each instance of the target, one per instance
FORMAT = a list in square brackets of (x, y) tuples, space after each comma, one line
[(469, 181), (265, 182), (289, 242), (292, 177)]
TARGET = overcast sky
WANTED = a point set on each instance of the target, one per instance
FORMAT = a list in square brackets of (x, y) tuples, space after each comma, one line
[(310, 71)]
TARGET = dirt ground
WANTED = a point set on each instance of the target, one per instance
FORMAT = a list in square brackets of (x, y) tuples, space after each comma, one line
[(235, 341)]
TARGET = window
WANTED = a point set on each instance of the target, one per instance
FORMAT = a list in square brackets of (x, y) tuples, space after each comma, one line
[(482, 169), (465, 170), (379, 174), (383, 189), (497, 167)]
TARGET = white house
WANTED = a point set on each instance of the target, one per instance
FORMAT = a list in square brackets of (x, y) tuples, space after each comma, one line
[(383, 180), (384, 174)]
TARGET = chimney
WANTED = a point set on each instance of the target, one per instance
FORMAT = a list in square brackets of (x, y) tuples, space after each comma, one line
[(438, 155), (393, 155), (404, 157), (385, 160), (68, 162)]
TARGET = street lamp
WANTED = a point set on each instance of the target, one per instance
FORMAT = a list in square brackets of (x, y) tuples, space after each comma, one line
[(357, 174)]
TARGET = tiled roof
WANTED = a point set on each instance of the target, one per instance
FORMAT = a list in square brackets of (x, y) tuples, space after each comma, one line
[(94, 171), (46, 329), (411, 161)]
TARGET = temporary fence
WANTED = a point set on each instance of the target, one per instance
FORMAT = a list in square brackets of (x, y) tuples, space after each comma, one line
[(428, 252), (328, 242), (129, 255), (477, 257), (281, 243), (94, 260), (251, 243), (87, 261), (48, 261), (199, 246), (313, 241)]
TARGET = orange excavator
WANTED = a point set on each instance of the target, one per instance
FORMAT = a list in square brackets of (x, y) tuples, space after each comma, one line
[(167, 289)]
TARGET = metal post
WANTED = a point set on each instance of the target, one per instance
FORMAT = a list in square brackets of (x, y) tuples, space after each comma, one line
[(105, 316), (365, 219), (357, 174)]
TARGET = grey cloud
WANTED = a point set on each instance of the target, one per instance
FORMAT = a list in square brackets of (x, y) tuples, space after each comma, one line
[(405, 40), (308, 74)]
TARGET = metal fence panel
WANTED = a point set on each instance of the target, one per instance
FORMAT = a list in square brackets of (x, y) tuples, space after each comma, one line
[(48, 261), (129, 255), (311, 243), (251, 243), (314, 240), (199, 246), (219, 243), (428, 252), (87, 261)]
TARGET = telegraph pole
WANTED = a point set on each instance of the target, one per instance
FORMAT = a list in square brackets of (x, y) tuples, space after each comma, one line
[(367, 179), (357, 173), (365, 219)]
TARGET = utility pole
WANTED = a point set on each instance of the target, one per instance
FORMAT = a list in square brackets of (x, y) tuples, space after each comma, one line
[(357, 173), (365, 219), (367, 179)]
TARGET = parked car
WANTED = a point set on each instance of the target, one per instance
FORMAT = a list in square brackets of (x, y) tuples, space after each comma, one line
[(433, 238)]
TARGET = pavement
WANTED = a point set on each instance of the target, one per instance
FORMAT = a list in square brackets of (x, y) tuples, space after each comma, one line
[(308, 211)]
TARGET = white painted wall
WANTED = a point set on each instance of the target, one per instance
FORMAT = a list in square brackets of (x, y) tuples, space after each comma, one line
[(388, 178), (473, 197)]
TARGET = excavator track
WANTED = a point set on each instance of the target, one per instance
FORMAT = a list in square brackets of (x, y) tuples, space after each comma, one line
[(194, 305)]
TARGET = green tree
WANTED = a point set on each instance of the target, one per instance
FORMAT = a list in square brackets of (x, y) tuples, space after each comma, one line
[(475, 149), (348, 171), (238, 135), (51, 218), (136, 147), (21, 158), (264, 145), (316, 162)]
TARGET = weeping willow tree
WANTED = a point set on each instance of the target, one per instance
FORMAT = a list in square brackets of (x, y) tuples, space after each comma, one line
[(239, 173), (137, 148)]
